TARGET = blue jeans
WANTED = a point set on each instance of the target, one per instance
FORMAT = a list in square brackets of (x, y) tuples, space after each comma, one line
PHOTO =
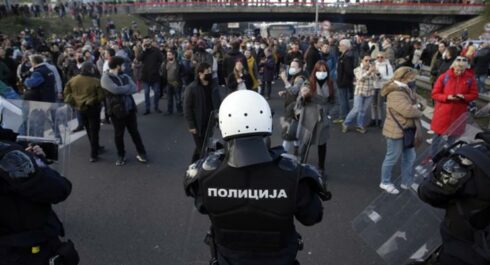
[(480, 80), (395, 149), (174, 93), (156, 97), (358, 111), (343, 98)]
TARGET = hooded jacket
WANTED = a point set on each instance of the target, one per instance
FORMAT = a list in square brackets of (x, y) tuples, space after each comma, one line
[(400, 100), (447, 112)]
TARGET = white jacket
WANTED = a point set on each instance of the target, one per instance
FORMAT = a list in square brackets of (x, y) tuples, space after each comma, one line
[(386, 73)]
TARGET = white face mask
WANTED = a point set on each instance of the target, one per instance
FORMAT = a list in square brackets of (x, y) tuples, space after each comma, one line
[(292, 71), (321, 75), (262, 46)]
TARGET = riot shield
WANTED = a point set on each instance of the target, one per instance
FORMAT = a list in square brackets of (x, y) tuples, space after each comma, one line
[(41, 123), (401, 228)]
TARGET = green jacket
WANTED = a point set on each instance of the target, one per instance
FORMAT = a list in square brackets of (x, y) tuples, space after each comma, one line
[(83, 91)]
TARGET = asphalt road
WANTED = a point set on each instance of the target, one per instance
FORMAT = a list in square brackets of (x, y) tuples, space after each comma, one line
[(138, 214)]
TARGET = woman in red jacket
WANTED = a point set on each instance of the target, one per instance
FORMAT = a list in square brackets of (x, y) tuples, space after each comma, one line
[(452, 92)]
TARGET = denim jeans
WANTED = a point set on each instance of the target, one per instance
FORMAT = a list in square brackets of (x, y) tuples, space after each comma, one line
[(358, 111), (377, 107), (174, 93), (480, 79), (395, 149), (156, 97), (343, 98)]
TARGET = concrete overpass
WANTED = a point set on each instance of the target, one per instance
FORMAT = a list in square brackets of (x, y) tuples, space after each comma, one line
[(379, 17)]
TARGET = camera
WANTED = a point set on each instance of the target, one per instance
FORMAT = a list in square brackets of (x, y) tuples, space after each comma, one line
[(49, 146)]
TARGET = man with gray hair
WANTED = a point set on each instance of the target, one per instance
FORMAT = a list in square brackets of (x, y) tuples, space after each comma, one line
[(41, 83), (345, 78)]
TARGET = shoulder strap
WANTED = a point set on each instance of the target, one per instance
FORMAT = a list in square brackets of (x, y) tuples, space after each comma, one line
[(397, 122)]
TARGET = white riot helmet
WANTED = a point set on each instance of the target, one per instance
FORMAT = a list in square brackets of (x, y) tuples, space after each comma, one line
[(244, 112)]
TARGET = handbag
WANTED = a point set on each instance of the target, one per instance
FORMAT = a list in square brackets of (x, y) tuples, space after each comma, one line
[(408, 133)]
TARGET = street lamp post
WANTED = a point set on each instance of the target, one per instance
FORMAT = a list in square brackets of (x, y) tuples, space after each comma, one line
[(316, 17)]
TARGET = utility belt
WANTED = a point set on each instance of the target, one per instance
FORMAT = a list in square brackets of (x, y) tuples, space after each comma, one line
[(209, 240)]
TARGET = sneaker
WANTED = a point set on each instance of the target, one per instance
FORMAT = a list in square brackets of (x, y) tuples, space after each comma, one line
[(404, 186), (390, 188), (338, 121), (361, 130), (121, 161), (344, 128), (142, 158), (93, 159), (78, 129)]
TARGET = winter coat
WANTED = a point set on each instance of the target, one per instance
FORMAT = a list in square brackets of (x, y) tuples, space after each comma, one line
[(268, 66), (195, 110), (400, 100), (83, 91), (481, 62), (137, 70), (345, 70), (233, 84), (447, 112), (230, 60), (312, 56), (385, 73), (253, 72), (151, 58)]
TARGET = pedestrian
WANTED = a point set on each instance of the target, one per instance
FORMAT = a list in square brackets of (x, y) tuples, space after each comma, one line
[(268, 65), (452, 93), (84, 93), (230, 59), (252, 69), (287, 190), (313, 104), (171, 72), (345, 78), (239, 79), (402, 113), (312, 55), (481, 64), (293, 81), (41, 84), (152, 59), (366, 75), (122, 109), (201, 98), (385, 73)]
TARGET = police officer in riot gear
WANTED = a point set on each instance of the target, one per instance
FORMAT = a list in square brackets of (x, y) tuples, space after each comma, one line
[(252, 193), (29, 228), (460, 184)]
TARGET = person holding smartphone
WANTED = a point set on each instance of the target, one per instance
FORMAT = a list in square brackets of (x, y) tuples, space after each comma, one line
[(452, 93)]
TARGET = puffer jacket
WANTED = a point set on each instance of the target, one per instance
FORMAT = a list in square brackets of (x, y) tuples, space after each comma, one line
[(400, 100), (447, 112)]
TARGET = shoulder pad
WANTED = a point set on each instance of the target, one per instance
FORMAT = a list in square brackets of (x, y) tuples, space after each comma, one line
[(318, 184), (288, 162), (213, 161)]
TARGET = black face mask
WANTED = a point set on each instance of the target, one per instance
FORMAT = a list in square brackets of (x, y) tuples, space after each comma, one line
[(412, 84), (208, 77)]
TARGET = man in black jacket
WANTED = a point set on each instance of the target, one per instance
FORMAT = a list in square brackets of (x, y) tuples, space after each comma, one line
[(201, 97), (29, 228), (345, 78), (481, 62), (151, 59)]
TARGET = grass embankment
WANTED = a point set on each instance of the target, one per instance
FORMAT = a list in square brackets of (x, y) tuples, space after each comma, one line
[(13, 25)]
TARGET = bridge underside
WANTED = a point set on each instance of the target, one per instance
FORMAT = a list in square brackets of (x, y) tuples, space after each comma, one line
[(376, 23)]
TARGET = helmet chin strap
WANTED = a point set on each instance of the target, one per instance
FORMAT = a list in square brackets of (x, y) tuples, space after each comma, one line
[(247, 151)]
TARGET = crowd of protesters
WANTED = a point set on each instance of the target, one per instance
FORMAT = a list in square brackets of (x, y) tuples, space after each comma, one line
[(98, 71)]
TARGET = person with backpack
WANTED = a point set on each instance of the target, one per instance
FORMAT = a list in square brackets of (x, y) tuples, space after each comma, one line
[(460, 184), (452, 93)]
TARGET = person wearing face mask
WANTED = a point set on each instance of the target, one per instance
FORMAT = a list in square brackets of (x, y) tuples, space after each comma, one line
[(253, 70), (201, 97), (402, 113), (452, 93), (201, 55), (258, 51), (313, 104), (122, 109), (293, 81)]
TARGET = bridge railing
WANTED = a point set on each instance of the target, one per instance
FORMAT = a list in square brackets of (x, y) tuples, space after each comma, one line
[(294, 3)]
